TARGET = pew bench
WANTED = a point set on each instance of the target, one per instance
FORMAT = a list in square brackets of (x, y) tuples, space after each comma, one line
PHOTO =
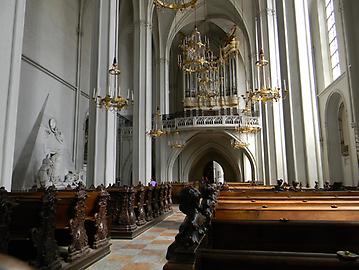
[(134, 209), (49, 223), (282, 230)]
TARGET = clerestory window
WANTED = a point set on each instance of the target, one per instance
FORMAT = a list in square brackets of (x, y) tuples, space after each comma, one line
[(332, 39)]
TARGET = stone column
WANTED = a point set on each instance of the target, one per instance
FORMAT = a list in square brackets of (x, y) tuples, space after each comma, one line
[(301, 117), (276, 111), (272, 160), (142, 114), (351, 33), (12, 16), (162, 144), (102, 129)]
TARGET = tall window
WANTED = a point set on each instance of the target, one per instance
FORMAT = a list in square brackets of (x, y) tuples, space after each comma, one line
[(332, 38)]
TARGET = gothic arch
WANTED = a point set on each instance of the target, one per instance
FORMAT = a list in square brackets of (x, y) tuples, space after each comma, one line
[(336, 170), (211, 148)]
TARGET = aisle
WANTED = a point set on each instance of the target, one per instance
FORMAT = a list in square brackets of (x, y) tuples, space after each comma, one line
[(145, 252)]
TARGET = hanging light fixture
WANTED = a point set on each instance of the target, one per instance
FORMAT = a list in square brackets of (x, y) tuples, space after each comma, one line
[(112, 100), (195, 51), (193, 58), (157, 130), (264, 92), (176, 140), (247, 126), (208, 82), (175, 4)]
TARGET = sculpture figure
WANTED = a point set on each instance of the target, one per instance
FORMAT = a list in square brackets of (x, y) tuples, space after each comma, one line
[(45, 173)]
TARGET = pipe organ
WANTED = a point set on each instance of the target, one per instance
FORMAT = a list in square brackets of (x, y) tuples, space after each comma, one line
[(215, 87)]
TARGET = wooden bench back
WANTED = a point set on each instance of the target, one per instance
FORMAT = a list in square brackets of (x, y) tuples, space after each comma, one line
[(26, 211), (298, 236)]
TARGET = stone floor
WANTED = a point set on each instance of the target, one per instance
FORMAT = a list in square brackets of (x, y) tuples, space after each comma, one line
[(147, 251)]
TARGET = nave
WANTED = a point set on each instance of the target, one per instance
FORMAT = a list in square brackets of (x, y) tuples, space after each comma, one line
[(147, 251)]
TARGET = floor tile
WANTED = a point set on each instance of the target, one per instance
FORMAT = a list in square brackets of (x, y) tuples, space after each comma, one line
[(145, 252)]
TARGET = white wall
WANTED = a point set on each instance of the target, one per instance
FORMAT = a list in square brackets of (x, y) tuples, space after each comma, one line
[(48, 84)]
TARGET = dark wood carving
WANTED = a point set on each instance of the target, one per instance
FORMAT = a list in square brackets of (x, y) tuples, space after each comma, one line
[(127, 218), (161, 199), (198, 219), (170, 196), (5, 215), (101, 226), (140, 199), (208, 202), (148, 203), (79, 241), (165, 195), (155, 201), (191, 230), (47, 256)]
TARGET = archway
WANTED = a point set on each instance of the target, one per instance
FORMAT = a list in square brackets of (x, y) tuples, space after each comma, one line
[(213, 172), (203, 166), (335, 138)]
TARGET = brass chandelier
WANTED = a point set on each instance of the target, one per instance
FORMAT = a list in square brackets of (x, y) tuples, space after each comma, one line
[(112, 100), (157, 130), (265, 92), (176, 141), (194, 58), (208, 81), (175, 4)]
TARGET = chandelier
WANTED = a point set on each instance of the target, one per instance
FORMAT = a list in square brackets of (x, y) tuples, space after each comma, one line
[(112, 100), (157, 130), (176, 141), (208, 82), (248, 125), (175, 4), (194, 52), (265, 92)]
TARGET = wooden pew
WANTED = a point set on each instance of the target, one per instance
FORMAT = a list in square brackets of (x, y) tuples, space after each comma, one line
[(208, 259), (70, 223), (122, 211), (282, 230), (47, 223), (139, 205), (32, 228), (176, 190), (148, 203), (96, 221), (255, 193), (135, 209), (5, 215)]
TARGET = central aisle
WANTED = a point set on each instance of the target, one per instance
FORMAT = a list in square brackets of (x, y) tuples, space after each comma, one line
[(145, 252)]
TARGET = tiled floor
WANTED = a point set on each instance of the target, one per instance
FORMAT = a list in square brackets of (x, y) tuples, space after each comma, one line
[(145, 252)]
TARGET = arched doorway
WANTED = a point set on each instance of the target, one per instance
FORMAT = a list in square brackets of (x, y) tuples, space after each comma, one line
[(214, 172), (210, 162), (337, 137)]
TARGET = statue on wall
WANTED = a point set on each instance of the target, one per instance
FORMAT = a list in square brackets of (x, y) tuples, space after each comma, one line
[(46, 175), (45, 172)]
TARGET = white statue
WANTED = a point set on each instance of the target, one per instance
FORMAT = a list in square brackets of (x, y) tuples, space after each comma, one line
[(71, 179), (56, 171), (45, 173)]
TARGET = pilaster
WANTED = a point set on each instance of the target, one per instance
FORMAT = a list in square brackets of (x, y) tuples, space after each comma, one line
[(12, 16), (102, 128)]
